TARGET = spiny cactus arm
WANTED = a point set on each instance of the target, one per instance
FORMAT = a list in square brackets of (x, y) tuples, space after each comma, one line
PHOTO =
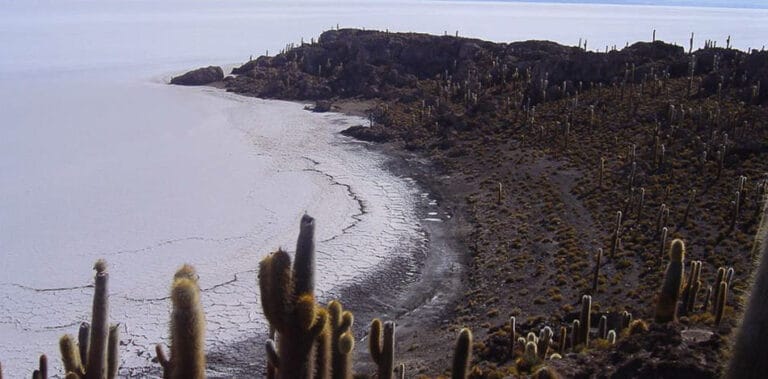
[(186, 271), (512, 336), (346, 344), (374, 341), (304, 264), (272, 356), (96, 367), (187, 331), (163, 360), (70, 357), (462, 354), (83, 334), (276, 288), (400, 370), (113, 351), (306, 314)]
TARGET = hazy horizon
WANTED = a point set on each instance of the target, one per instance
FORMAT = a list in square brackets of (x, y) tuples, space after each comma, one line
[(738, 4)]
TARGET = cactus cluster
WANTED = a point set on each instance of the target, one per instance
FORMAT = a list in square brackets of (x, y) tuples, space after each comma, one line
[(96, 354)]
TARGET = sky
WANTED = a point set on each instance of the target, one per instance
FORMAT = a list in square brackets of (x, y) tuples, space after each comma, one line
[(752, 4)]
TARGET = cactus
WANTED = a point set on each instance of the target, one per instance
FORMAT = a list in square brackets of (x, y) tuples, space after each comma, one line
[(563, 340), (601, 172), (637, 327), (722, 295), (545, 339), (383, 351), (187, 329), (602, 327), (462, 355), (692, 286), (598, 258), (611, 337), (575, 333), (97, 354), (512, 336), (585, 319), (626, 319), (691, 199), (666, 309), (288, 301), (663, 243), (323, 347), (341, 329), (42, 371)]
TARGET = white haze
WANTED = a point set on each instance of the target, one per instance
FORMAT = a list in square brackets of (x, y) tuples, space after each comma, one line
[(99, 158)]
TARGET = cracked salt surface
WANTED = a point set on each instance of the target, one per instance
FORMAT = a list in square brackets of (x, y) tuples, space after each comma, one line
[(218, 182)]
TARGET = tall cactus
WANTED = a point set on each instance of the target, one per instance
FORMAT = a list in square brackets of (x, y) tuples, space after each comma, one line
[(187, 329), (585, 319), (41, 372), (288, 301), (97, 355), (462, 355), (666, 309), (383, 352)]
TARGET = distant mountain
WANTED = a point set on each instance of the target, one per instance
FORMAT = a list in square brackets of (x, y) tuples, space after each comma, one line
[(749, 4)]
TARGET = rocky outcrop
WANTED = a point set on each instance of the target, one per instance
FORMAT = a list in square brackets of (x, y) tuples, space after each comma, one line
[(373, 64), (201, 76)]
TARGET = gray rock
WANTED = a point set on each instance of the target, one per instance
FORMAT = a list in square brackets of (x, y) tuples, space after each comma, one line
[(201, 76)]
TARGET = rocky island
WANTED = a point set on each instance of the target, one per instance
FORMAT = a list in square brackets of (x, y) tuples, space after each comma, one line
[(586, 181)]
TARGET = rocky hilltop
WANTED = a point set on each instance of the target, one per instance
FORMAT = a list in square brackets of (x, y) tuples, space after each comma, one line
[(575, 171)]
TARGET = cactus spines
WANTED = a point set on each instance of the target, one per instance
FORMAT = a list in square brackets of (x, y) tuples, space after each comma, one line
[(707, 299), (187, 329), (722, 295), (500, 195), (626, 319), (462, 354), (585, 319), (692, 286), (70, 356), (343, 367), (323, 347), (530, 354), (383, 351), (666, 309), (401, 371), (611, 337)]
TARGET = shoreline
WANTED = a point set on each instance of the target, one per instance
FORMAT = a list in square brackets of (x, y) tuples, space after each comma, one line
[(426, 281)]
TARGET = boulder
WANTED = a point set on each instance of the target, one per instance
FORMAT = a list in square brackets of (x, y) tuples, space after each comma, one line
[(201, 76)]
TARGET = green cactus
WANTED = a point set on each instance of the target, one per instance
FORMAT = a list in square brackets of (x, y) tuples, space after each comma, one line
[(666, 309), (341, 325), (383, 352), (462, 355), (323, 348), (187, 329), (94, 358), (288, 301), (585, 319)]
